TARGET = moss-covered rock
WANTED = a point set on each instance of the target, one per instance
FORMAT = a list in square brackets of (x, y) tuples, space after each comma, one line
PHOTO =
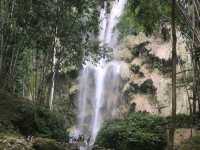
[(18, 142), (14, 142), (134, 88), (147, 87)]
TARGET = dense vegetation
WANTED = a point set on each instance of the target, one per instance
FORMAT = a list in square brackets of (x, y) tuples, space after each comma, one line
[(41, 40), (139, 131), (21, 117), (144, 16), (43, 46)]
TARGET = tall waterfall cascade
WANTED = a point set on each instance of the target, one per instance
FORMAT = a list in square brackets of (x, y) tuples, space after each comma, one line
[(99, 84)]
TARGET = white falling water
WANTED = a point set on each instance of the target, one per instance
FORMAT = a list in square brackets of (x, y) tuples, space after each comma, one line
[(109, 21), (99, 94)]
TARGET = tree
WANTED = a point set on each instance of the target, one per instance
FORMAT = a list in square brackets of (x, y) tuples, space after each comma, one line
[(174, 62), (144, 16), (30, 31), (190, 26)]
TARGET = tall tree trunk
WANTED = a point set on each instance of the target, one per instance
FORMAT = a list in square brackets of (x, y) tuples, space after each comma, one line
[(174, 61), (53, 77), (2, 34), (195, 95), (55, 46)]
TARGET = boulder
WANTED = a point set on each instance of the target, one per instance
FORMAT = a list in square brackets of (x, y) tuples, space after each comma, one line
[(124, 71)]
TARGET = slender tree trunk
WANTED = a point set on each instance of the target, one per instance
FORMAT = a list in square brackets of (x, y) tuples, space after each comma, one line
[(53, 77), (195, 94), (2, 34), (174, 61), (54, 69)]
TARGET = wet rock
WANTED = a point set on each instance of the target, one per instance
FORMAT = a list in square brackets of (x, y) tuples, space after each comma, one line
[(124, 71), (73, 89)]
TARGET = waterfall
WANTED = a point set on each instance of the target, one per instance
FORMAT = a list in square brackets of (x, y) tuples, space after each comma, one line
[(108, 22), (99, 84)]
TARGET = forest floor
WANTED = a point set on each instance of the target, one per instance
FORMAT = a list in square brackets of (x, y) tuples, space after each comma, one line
[(187, 139)]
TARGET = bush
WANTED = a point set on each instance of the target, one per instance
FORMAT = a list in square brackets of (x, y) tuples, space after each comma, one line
[(139, 131), (39, 121), (147, 87), (18, 115), (182, 121), (134, 88), (135, 68)]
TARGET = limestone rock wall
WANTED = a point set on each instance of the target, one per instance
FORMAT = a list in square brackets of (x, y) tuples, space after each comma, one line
[(149, 59)]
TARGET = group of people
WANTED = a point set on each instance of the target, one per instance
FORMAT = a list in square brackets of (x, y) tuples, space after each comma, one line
[(79, 139), (29, 138)]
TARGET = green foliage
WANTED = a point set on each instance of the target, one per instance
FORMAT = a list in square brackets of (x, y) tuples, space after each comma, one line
[(28, 33), (140, 50), (18, 115), (151, 60), (39, 121), (148, 87), (139, 131), (163, 65), (133, 88), (182, 121), (143, 16), (135, 68)]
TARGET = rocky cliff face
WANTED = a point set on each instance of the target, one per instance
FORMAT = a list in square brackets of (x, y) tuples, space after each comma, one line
[(149, 66), (145, 76)]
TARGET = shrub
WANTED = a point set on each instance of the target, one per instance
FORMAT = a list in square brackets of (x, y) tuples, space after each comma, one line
[(39, 121), (182, 120), (135, 68), (147, 87), (18, 115), (138, 131)]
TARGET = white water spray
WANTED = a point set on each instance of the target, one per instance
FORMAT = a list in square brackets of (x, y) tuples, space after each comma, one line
[(99, 93)]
